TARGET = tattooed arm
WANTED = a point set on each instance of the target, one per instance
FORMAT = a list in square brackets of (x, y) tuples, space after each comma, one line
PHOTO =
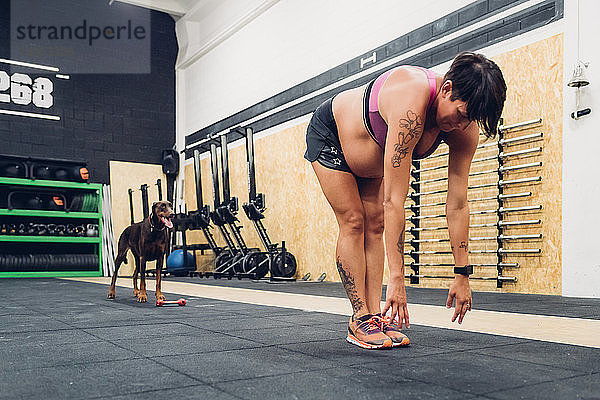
[(462, 148), (405, 126), (400, 143)]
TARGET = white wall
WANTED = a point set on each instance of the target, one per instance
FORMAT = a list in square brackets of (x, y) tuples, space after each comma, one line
[(581, 156), (290, 42)]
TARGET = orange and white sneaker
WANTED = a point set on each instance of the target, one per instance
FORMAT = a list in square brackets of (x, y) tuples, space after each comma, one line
[(392, 330), (366, 332)]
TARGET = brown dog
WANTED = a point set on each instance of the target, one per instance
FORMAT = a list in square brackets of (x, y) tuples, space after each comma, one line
[(148, 241)]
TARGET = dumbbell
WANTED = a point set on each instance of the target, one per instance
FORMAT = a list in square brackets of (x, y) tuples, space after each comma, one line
[(180, 302)]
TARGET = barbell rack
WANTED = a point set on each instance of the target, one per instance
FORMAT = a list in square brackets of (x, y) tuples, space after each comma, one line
[(500, 210), (538, 135), (418, 192), (504, 196), (486, 185), (501, 155), (479, 238), (488, 225), (501, 265), (497, 251), (477, 278), (479, 173)]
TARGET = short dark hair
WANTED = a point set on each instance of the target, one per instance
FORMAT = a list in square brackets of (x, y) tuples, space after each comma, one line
[(478, 81)]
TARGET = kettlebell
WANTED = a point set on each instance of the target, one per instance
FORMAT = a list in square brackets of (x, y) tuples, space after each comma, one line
[(59, 230), (80, 230), (92, 230), (51, 229)]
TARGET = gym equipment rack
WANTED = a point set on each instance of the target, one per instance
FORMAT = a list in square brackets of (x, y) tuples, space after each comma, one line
[(24, 254)]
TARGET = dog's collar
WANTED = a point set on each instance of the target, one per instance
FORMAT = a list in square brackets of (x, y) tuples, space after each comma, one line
[(152, 228)]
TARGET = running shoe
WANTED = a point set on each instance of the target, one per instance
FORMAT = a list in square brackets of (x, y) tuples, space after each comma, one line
[(366, 332), (392, 330)]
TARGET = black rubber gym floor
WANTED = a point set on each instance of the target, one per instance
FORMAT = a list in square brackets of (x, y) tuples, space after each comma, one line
[(63, 339)]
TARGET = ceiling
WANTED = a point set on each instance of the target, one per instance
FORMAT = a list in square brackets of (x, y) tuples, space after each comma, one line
[(177, 8)]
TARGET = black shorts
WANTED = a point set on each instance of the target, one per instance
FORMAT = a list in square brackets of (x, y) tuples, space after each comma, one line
[(322, 140)]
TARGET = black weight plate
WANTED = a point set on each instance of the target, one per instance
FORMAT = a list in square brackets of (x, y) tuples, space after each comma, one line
[(238, 265), (275, 265), (222, 261), (288, 269), (256, 263)]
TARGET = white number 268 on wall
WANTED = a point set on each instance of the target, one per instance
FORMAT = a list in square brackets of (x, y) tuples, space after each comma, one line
[(20, 89)]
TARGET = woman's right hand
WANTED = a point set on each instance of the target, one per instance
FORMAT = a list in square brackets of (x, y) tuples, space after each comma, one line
[(395, 299)]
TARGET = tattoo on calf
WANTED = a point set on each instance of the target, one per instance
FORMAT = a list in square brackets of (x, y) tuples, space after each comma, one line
[(410, 128), (350, 286)]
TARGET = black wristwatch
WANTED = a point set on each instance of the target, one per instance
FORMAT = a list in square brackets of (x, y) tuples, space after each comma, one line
[(466, 270)]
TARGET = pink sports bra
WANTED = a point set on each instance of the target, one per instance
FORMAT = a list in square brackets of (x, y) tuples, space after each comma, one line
[(375, 124)]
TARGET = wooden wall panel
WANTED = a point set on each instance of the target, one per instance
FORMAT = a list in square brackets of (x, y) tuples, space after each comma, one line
[(123, 176)]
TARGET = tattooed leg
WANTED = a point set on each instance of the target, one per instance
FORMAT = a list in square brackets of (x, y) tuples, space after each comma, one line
[(349, 283)]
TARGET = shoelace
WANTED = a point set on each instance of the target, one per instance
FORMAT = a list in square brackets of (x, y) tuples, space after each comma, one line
[(372, 325), (388, 321)]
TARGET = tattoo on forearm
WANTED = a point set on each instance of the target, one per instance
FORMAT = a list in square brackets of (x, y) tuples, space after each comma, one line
[(350, 286), (410, 128)]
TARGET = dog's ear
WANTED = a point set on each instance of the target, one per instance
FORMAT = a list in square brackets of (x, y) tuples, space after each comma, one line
[(154, 205)]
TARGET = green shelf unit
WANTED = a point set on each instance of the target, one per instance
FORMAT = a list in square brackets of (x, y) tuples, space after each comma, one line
[(49, 274), (47, 239), (91, 217), (43, 213), (58, 184)]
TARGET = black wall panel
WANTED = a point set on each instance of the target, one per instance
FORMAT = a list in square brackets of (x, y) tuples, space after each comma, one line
[(125, 117)]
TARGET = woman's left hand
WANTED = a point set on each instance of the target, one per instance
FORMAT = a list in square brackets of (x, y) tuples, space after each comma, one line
[(461, 291)]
